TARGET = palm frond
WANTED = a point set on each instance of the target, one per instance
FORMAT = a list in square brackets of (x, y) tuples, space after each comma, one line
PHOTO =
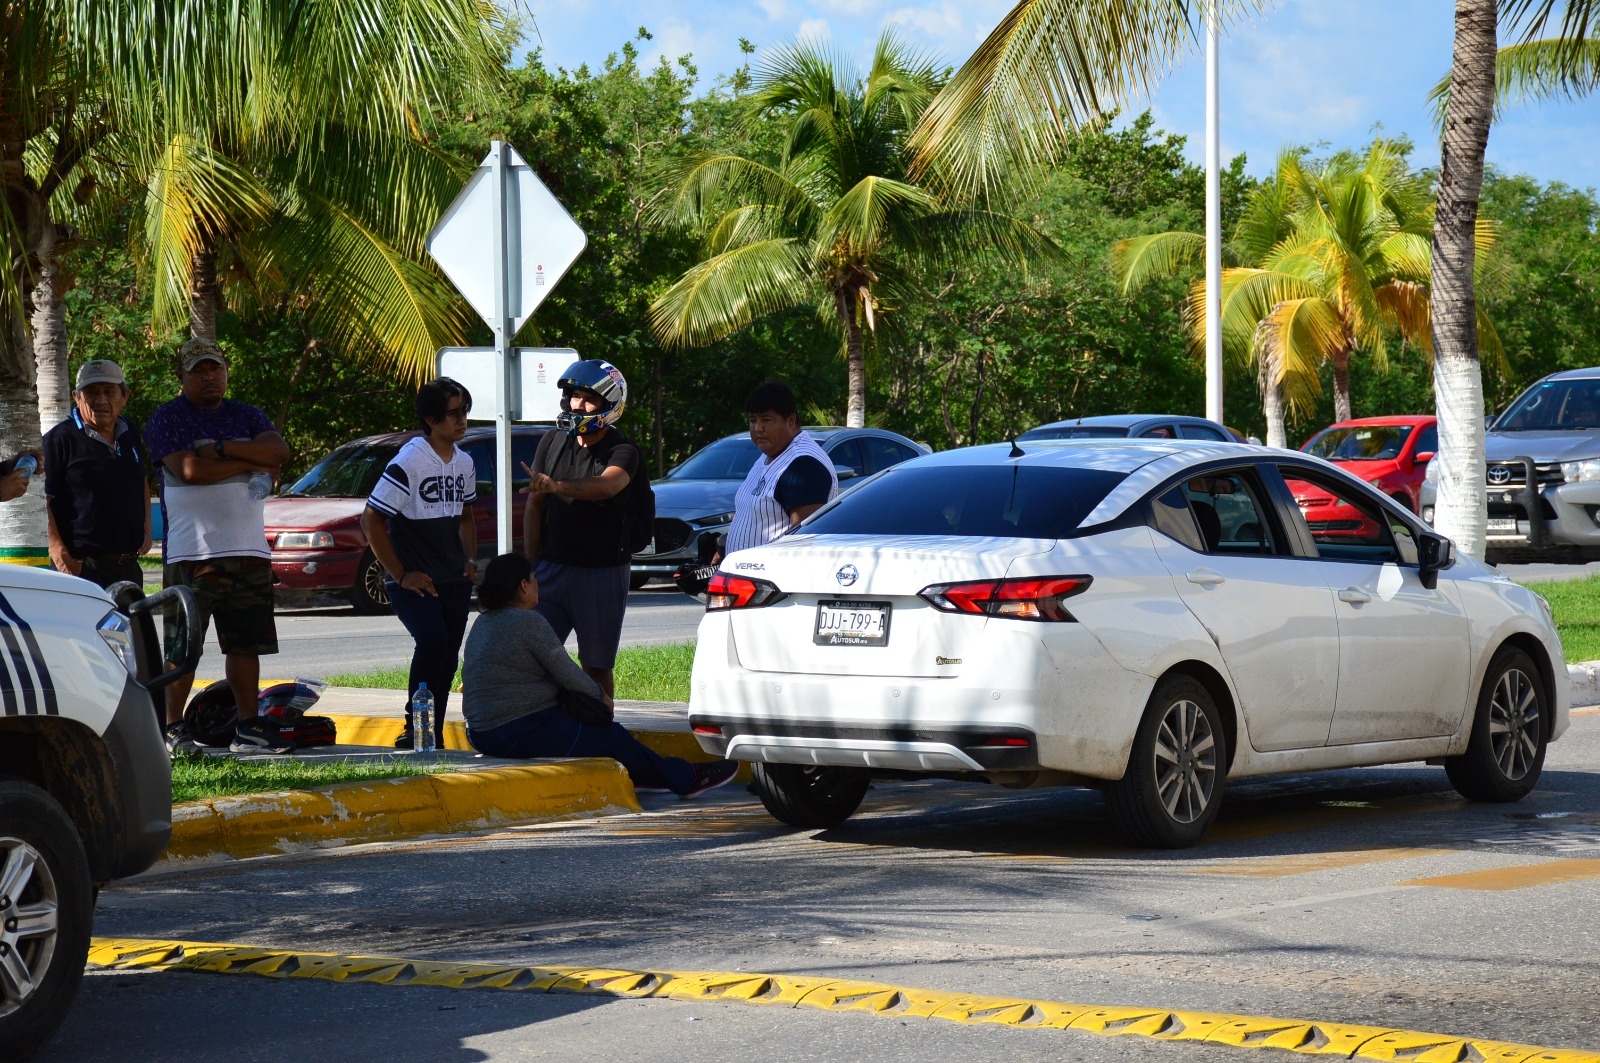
[(1140, 258), (1306, 332), (876, 212), (1410, 311), (701, 186), (723, 294)]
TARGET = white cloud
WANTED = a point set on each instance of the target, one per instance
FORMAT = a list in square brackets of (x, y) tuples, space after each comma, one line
[(814, 29), (775, 9)]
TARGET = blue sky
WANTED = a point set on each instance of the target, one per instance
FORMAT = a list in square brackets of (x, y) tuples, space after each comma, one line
[(1308, 71)]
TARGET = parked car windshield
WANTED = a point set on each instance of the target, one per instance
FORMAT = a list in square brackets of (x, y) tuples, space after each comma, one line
[(349, 472), (1554, 404), (1009, 501), (726, 459), (1368, 442), (1076, 431)]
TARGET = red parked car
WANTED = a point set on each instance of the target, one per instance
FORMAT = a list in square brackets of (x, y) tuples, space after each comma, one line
[(1390, 453), (314, 526)]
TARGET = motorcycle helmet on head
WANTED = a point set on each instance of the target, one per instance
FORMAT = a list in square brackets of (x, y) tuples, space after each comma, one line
[(603, 379)]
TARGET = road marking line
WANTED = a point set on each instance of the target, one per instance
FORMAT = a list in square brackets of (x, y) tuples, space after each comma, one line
[(1515, 878), (1303, 863), (1377, 1043)]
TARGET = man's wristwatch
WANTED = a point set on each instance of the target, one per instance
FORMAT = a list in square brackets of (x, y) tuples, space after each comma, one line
[(217, 446)]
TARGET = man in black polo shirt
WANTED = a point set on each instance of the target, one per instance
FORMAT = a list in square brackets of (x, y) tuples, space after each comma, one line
[(575, 523), (95, 482)]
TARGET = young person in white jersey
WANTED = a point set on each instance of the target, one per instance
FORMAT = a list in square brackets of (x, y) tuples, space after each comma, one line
[(792, 480)]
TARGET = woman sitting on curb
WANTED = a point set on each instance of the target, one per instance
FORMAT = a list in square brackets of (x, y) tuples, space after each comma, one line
[(513, 673)]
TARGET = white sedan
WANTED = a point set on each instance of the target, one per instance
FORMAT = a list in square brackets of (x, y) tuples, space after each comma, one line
[(1144, 617)]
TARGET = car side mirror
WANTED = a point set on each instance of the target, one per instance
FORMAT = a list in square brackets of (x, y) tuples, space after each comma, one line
[(1422, 457), (843, 472), (1434, 553)]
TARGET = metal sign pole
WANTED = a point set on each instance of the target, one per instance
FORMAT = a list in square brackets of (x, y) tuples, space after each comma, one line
[(1213, 220), (500, 174)]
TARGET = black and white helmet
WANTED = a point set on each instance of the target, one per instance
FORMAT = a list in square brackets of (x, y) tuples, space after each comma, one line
[(600, 377)]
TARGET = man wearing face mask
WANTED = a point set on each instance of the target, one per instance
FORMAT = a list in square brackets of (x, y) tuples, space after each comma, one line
[(575, 522), (96, 486)]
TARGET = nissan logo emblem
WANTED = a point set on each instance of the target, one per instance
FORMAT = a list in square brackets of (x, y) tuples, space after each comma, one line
[(847, 576), (1499, 474)]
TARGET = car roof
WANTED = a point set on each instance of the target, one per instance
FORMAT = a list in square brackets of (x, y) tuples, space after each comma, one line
[(823, 432), (1124, 420), (1590, 373), (474, 433), (1392, 419)]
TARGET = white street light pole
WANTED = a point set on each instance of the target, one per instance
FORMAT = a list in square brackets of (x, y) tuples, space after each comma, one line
[(1213, 223), (499, 173)]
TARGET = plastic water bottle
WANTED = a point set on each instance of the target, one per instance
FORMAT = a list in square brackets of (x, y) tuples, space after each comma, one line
[(27, 465), (260, 485), (422, 740)]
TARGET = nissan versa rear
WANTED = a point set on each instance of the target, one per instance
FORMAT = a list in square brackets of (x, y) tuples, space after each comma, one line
[(1147, 618)]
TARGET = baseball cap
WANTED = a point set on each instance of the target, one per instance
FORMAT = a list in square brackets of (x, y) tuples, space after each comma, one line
[(99, 371), (199, 350)]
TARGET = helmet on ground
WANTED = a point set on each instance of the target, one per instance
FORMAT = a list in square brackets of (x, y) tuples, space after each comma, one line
[(210, 715), (604, 380), (286, 701)]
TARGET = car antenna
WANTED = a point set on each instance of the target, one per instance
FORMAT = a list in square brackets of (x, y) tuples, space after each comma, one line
[(1016, 451)]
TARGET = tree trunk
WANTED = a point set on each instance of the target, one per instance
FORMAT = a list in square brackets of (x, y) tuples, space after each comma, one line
[(1461, 510), (203, 298), (1341, 386), (22, 524), (656, 405), (1271, 396), (50, 333), (855, 415)]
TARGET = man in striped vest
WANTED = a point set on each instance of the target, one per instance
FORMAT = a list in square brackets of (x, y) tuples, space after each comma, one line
[(792, 479)]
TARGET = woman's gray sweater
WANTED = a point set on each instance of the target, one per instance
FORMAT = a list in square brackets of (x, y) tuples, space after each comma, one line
[(513, 666)]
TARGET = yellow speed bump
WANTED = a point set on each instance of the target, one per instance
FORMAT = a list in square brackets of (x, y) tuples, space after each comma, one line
[(1375, 1043)]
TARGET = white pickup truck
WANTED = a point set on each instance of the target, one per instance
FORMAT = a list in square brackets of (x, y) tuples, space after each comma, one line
[(85, 781)]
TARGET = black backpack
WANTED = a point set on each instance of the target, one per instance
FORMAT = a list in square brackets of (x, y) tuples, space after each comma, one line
[(641, 528)]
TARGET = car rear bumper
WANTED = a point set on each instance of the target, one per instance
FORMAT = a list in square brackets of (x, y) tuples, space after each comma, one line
[(307, 570)]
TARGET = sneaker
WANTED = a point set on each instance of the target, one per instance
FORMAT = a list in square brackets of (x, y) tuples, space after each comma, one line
[(258, 736), (406, 740), (712, 775), (178, 740)]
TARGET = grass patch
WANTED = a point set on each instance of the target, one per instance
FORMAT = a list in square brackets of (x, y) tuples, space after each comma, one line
[(1576, 605), (644, 673), (197, 777)]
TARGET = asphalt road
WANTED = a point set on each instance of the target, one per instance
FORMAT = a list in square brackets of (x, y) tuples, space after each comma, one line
[(1369, 896), (324, 640)]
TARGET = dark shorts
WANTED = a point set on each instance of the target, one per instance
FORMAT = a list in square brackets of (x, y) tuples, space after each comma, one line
[(591, 602), (237, 593)]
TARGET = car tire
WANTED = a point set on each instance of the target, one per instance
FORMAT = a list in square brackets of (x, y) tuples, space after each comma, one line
[(810, 798), (1510, 731), (36, 831), (1169, 796), (368, 594)]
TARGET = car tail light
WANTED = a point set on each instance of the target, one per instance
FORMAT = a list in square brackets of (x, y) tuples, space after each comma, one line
[(738, 592), (1006, 742), (710, 729), (1028, 598)]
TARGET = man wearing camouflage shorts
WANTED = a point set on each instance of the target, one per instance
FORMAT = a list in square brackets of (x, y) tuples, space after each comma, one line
[(217, 458)]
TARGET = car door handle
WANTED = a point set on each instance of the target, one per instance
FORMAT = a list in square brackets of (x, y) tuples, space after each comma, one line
[(1205, 577), (1355, 596)]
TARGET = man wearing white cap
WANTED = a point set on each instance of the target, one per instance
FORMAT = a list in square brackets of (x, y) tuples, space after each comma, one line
[(96, 484)]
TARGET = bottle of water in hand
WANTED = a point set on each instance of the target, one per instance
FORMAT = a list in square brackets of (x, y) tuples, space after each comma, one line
[(260, 485), (422, 740)]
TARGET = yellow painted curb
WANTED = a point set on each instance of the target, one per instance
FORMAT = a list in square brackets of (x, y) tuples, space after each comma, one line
[(383, 730), (1240, 1031), (387, 809)]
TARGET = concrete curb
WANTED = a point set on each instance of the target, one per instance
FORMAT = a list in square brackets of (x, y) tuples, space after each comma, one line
[(390, 809), (383, 730), (1584, 678), (1379, 1044)]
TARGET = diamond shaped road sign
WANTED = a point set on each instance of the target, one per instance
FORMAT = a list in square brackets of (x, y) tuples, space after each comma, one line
[(542, 241)]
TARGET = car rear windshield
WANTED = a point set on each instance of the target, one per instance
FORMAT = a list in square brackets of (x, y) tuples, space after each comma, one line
[(726, 459), (1573, 404), (1361, 443), (1009, 501), (1077, 431), (349, 472)]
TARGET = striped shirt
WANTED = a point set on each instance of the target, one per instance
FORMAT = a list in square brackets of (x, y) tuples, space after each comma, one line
[(424, 496), (758, 515)]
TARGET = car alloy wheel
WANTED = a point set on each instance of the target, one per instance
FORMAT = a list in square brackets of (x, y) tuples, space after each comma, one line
[(1185, 762), (1515, 724), (369, 595), (29, 906)]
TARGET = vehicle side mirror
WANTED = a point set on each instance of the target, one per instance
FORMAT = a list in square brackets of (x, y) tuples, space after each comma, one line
[(1434, 553), (843, 472), (1488, 419), (1422, 457)]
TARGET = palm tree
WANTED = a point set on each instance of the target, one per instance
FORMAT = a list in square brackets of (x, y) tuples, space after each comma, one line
[(1461, 511), (834, 222)]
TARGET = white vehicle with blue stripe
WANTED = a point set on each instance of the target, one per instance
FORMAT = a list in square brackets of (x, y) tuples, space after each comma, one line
[(1145, 617), (85, 780)]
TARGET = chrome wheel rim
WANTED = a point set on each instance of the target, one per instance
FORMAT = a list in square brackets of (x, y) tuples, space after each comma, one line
[(29, 922), (372, 581), (1186, 762), (1515, 724)]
